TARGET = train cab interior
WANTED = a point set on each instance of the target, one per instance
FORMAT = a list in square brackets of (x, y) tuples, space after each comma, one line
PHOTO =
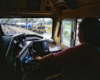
[(31, 28)]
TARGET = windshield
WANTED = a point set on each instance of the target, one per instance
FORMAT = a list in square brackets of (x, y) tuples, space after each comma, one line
[(29, 26)]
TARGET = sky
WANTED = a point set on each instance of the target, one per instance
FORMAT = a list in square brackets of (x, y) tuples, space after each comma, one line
[(40, 18)]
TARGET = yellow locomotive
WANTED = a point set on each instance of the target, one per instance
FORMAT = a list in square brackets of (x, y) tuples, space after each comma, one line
[(38, 27)]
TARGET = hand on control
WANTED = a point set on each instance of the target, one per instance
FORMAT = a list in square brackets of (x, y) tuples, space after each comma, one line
[(39, 58), (38, 63)]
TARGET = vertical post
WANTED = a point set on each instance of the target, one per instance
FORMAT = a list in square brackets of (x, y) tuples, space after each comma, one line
[(26, 24), (32, 22)]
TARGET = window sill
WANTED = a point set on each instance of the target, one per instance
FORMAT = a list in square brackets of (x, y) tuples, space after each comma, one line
[(66, 45)]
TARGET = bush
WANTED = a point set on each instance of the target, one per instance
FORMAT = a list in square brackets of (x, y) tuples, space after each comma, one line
[(50, 29), (66, 34)]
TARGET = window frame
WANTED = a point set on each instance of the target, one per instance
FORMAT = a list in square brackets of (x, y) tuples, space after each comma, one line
[(73, 32), (77, 29)]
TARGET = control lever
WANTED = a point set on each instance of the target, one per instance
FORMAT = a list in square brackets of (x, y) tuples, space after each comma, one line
[(33, 52), (32, 59)]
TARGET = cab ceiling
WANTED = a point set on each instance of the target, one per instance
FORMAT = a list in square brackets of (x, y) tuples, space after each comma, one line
[(65, 5), (18, 8), (79, 2)]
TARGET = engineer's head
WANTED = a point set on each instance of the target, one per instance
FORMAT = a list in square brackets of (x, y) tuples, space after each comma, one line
[(89, 30)]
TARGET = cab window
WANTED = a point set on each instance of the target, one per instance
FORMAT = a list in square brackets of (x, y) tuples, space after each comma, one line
[(67, 30), (29, 26)]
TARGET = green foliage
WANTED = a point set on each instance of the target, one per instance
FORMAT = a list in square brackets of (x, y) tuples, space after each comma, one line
[(50, 29), (49, 22), (66, 28), (66, 34)]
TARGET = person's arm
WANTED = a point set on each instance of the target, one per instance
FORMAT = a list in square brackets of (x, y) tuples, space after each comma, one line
[(53, 59), (42, 61), (45, 58)]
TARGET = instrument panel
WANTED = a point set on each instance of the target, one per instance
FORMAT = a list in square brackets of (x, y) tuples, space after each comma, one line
[(41, 46), (19, 55)]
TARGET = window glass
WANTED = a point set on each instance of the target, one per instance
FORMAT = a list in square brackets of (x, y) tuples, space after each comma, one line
[(77, 40), (29, 26), (67, 26)]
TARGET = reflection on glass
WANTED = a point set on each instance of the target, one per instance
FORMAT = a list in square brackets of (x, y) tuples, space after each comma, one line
[(77, 40)]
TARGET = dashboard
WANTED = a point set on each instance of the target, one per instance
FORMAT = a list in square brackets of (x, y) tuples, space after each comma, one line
[(17, 55)]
